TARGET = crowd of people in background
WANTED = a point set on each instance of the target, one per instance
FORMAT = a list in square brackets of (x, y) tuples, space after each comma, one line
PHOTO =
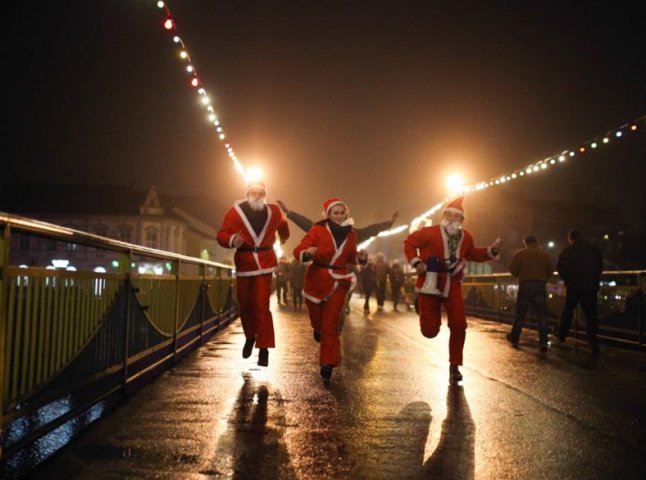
[(290, 276)]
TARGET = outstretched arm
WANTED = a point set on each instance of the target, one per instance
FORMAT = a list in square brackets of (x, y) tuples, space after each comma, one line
[(364, 233), (300, 220)]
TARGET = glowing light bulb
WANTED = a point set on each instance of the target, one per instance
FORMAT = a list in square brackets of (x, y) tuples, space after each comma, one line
[(160, 4), (454, 184), (254, 174), (168, 24)]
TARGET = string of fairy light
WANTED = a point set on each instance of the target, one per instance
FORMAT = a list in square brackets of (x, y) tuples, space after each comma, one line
[(195, 82), (249, 174), (549, 162)]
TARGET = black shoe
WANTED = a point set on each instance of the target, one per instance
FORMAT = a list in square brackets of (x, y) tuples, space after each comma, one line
[(248, 347), (263, 357), (317, 336), (326, 372), (454, 374), (544, 347), (511, 341)]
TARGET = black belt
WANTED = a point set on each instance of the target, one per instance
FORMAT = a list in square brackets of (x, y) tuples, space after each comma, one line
[(245, 248)]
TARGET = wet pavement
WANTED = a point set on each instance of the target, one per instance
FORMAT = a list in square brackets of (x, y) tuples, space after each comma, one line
[(388, 412)]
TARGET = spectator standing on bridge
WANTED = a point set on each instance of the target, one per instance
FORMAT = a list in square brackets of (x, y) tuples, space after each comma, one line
[(250, 227), (396, 277), (533, 267), (329, 246), (381, 269), (368, 278), (580, 265), (282, 280), (297, 279), (448, 246)]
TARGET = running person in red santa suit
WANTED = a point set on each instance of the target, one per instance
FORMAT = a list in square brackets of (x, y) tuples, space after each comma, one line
[(330, 245), (250, 227), (445, 249)]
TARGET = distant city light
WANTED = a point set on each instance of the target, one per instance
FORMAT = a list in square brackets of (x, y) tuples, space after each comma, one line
[(60, 263)]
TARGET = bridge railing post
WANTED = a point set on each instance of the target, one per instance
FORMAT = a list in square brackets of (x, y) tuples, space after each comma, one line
[(5, 246), (125, 267), (175, 264)]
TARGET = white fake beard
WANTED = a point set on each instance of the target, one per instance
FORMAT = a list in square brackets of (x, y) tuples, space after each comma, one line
[(256, 204), (451, 227)]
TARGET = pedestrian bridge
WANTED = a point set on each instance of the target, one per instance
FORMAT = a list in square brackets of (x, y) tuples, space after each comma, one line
[(77, 345)]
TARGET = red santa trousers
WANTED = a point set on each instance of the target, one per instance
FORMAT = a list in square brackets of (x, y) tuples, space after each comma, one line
[(430, 319), (324, 317), (253, 301)]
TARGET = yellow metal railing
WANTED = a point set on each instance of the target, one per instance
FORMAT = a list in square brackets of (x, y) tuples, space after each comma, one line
[(50, 316), (62, 331)]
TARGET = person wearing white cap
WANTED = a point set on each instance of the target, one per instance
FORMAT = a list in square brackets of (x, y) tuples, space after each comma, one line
[(439, 254), (250, 226)]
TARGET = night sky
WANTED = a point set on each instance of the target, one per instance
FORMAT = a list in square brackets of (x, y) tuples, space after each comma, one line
[(372, 101)]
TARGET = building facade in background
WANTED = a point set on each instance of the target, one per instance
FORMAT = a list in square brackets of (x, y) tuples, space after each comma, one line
[(171, 223)]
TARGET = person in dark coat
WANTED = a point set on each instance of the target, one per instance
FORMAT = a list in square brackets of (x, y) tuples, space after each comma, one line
[(381, 269), (368, 279), (580, 266), (396, 276), (297, 278)]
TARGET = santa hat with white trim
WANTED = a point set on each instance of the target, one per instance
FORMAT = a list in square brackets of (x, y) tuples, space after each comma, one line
[(455, 206), (331, 202)]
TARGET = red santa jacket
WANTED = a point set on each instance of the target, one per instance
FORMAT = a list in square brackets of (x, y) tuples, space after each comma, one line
[(321, 281), (433, 242), (256, 256)]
